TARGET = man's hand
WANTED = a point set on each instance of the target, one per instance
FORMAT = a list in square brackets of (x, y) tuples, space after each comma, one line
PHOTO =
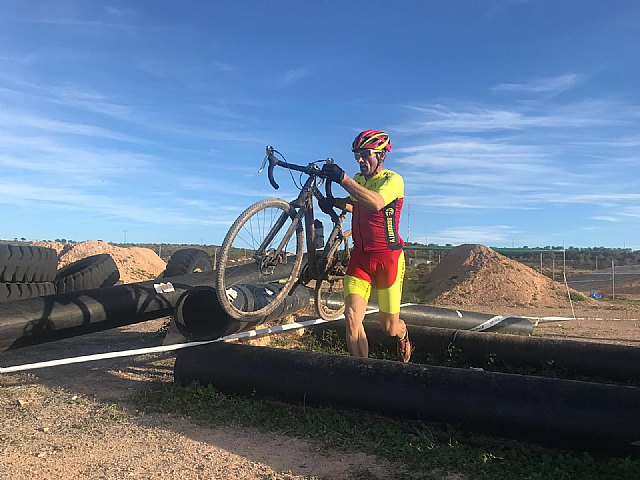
[(326, 205), (333, 172)]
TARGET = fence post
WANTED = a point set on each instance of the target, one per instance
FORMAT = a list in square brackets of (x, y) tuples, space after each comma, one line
[(540, 262)]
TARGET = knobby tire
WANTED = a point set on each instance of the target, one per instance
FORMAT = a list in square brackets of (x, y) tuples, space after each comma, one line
[(225, 252), (328, 311)]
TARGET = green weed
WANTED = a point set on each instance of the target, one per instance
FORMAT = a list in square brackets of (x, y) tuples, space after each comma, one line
[(426, 448)]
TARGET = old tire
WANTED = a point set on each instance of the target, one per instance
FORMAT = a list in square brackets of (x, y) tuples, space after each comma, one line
[(10, 292), (27, 264), (95, 271), (187, 261)]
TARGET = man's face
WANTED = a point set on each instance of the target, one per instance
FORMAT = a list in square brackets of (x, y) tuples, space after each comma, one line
[(368, 161)]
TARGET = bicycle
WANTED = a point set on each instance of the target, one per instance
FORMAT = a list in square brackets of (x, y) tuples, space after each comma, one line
[(265, 247)]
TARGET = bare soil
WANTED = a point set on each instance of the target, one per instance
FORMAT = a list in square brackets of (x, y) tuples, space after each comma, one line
[(76, 421), (478, 277), (64, 422)]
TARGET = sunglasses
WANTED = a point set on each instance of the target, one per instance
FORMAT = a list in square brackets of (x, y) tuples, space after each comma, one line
[(365, 153)]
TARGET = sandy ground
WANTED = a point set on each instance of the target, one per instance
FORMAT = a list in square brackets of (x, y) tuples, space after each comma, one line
[(62, 422), (68, 421), (65, 422)]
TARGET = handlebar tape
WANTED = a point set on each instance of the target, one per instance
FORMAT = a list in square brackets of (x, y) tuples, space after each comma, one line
[(272, 180)]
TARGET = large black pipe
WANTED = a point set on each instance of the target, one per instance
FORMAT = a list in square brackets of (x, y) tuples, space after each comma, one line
[(552, 411), (461, 319), (53, 317), (598, 360), (428, 316), (199, 315), (44, 319)]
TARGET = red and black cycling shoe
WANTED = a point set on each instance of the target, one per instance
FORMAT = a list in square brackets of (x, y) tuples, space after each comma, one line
[(404, 348)]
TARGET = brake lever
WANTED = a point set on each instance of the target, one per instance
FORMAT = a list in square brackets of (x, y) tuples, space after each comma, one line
[(266, 158), (272, 163)]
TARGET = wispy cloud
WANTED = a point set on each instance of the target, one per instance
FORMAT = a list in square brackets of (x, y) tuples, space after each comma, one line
[(485, 234), (17, 121), (119, 11), (542, 85), (481, 118), (458, 157), (119, 208), (607, 219), (294, 75), (88, 100)]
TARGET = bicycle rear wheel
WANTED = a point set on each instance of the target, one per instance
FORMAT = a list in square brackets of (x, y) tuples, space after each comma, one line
[(329, 296), (262, 246)]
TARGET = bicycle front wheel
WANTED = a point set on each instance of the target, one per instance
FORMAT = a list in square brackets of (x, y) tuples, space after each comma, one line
[(329, 296), (263, 249)]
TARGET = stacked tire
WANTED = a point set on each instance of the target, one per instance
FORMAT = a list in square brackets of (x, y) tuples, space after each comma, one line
[(187, 261), (26, 272), (95, 271)]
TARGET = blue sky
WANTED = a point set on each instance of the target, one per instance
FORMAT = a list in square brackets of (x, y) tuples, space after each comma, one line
[(512, 122)]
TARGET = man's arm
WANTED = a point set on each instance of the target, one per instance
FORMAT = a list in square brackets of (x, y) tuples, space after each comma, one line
[(344, 204), (367, 198)]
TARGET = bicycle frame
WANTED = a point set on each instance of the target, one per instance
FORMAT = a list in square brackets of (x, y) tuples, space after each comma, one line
[(302, 208)]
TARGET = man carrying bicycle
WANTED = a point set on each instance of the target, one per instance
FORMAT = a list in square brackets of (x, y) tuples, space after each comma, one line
[(375, 201)]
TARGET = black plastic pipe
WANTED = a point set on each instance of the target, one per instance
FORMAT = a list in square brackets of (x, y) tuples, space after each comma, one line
[(550, 411), (481, 349), (428, 316), (53, 317), (199, 315), (44, 319)]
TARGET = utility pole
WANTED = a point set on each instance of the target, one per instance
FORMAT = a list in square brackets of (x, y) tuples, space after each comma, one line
[(408, 222), (613, 279), (125, 237)]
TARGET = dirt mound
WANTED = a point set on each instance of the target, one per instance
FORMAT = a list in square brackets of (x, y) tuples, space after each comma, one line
[(57, 246), (474, 276), (135, 264)]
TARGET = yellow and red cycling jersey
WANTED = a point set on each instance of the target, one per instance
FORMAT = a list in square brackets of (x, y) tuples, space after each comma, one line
[(379, 231), (377, 259)]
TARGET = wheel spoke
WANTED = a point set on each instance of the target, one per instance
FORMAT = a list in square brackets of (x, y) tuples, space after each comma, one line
[(250, 260)]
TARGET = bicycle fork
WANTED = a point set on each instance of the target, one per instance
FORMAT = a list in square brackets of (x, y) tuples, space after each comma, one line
[(269, 259)]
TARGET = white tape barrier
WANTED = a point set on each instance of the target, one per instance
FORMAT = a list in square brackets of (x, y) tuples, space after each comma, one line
[(488, 323), (552, 319), (168, 348)]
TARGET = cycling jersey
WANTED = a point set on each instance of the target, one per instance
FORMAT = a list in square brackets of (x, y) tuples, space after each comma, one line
[(377, 259), (378, 231)]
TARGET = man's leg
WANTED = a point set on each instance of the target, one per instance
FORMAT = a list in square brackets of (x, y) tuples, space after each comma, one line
[(356, 296), (389, 301), (355, 309), (392, 325)]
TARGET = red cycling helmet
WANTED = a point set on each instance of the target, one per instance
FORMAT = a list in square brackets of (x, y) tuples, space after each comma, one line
[(373, 140)]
